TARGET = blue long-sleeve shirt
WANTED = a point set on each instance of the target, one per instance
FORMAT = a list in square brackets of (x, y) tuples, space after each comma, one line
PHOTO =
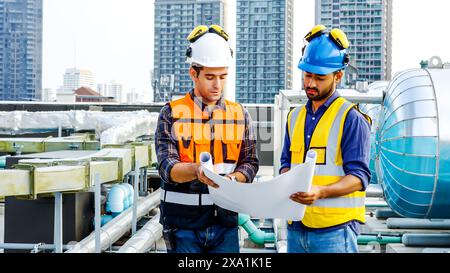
[(355, 146)]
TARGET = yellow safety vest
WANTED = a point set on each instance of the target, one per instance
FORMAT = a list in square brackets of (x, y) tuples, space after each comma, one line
[(326, 141)]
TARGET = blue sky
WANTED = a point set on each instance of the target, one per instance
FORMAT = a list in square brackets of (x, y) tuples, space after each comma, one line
[(114, 38)]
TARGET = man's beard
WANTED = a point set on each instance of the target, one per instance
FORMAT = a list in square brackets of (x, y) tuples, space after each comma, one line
[(319, 96)]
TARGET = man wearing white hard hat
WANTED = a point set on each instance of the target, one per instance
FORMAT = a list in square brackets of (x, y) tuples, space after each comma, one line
[(203, 121)]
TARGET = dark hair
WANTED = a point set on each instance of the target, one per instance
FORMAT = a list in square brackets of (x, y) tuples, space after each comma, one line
[(197, 69)]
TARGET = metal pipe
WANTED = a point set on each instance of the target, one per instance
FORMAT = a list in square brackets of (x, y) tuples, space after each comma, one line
[(145, 186), (17, 246), (375, 203), (117, 227), (413, 141), (135, 198), (366, 239), (411, 223), (374, 190), (386, 213), (97, 212), (145, 238), (411, 239), (280, 228), (58, 223)]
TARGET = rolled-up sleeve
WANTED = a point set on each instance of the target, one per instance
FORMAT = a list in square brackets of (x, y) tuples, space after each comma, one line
[(165, 144), (355, 147), (248, 163)]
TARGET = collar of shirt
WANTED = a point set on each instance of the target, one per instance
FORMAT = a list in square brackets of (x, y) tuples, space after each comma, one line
[(220, 103), (327, 104)]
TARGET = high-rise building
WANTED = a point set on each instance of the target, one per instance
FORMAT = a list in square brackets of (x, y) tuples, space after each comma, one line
[(102, 88), (174, 20), (368, 25), (134, 97), (115, 91), (112, 89), (48, 94), (264, 49), (75, 78), (20, 49)]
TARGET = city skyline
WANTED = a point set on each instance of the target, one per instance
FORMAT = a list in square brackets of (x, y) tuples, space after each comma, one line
[(115, 41), (20, 49)]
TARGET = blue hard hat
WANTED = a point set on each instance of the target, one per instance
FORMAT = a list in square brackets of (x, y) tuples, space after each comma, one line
[(322, 56)]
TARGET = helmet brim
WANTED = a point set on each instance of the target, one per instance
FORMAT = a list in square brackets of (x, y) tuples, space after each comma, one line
[(317, 69)]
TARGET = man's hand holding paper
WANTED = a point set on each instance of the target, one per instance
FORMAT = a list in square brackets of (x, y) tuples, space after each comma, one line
[(269, 199)]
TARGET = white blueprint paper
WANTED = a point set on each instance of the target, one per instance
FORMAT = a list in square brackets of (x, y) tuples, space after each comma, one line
[(266, 199)]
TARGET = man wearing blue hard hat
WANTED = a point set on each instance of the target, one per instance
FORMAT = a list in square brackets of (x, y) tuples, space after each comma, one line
[(339, 133)]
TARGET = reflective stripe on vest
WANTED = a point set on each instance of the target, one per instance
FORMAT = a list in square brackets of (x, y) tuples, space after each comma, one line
[(340, 202), (186, 198), (326, 141)]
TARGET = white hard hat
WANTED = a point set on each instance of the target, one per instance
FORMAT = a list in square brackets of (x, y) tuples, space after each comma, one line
[(210, 50)]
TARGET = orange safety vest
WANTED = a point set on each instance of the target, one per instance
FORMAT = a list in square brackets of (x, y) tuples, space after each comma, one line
[(219, 133)]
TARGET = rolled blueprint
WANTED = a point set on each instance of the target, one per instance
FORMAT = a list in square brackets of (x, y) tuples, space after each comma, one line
[(311, 158), (206, 161), (311, 155)]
